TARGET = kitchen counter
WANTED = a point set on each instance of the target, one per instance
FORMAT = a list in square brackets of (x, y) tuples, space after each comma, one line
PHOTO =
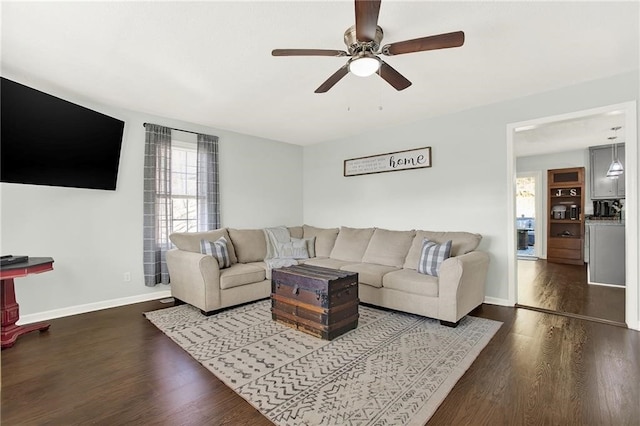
[(604, 222)]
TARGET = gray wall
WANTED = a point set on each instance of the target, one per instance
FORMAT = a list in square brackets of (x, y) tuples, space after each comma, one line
[(96, 236), (466, 189)]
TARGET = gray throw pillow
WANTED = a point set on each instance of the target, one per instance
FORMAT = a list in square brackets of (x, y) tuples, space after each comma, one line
[(432, 255), (217, 249)]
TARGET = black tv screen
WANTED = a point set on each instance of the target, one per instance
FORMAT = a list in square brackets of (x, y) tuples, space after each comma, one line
[(46, 140)]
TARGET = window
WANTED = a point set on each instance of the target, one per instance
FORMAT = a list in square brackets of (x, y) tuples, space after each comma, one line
[(526, 197), (184, 193), (181, 192)]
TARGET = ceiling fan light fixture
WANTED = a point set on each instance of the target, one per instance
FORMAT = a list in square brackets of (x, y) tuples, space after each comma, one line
[(363, 41), (364, 66)]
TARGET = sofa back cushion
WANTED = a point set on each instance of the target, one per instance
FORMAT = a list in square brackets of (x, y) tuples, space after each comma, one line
[(388, 248), (190, 241), (250, 244), (325, 238), (296, 231), (351, 244), (462, 243)]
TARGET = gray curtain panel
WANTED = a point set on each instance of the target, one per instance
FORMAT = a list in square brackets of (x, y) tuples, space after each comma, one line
[(157, 203), (158, 209), (207, 183)]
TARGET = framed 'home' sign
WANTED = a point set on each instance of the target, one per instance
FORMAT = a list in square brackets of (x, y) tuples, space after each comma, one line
[(417, 158)]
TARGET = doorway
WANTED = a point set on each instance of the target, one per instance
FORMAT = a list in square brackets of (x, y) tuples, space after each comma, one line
[(528, 209), (630, 302)]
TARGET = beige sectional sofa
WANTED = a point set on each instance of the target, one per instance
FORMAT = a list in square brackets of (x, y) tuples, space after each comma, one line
[(386, 262)]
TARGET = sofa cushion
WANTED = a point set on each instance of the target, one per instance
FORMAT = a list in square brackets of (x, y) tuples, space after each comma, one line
[(369, 273), (241, 274), (325, 238), (462, 243), (388, 248), (250, 244), (296, 231), (217, 249), (351, 244), (432, 256), (411, 281), (190, 241), (326, 262)]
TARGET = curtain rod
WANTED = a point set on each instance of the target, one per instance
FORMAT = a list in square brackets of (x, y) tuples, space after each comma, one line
[(173, 128)]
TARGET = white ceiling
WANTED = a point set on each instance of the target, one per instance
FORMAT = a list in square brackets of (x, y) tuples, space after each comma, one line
[(569, 135), (210, 62)]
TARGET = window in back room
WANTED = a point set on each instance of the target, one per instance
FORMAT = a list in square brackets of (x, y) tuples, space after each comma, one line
[(526, 215)]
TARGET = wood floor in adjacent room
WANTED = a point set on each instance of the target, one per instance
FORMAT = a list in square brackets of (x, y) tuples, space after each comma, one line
[(113, 367), (564, 288)]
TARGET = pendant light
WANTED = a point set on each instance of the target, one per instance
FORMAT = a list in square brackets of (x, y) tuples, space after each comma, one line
[(615, 169)]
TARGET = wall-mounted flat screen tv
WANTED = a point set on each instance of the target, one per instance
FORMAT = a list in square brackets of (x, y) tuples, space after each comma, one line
[(46, 140)]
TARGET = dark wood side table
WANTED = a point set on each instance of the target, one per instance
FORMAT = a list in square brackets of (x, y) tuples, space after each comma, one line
[(10, 309)]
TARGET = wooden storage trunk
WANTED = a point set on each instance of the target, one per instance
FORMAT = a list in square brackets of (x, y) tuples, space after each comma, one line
[(319, 301)]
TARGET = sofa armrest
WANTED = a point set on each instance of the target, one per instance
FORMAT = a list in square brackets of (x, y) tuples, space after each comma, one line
[(461, 284), (195, 278)]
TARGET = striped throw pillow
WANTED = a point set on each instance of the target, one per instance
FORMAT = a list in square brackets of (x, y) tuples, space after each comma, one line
[(217, 249), (432, 256)]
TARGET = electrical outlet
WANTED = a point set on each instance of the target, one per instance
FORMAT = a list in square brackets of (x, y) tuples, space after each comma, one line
[(126, 277)]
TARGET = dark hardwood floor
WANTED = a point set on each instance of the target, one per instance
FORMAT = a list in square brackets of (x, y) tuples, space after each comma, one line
[(113, 367), (564, 289)]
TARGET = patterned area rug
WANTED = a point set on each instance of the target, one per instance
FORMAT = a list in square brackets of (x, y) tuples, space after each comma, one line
[(394, 369)]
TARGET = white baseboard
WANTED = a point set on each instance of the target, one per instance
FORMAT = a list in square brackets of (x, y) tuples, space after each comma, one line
[(496, 301), (607, 285), (90, 307)]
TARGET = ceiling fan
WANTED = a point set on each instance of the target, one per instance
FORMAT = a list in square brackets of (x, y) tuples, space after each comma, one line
[(363, 41)]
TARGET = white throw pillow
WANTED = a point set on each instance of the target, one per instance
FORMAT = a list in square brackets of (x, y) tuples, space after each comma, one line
[(310, 243), (295, 249)]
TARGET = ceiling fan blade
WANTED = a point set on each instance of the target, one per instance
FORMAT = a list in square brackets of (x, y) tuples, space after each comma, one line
[(331, 81), (367, 19), (308, 52), (393, 77), (440, 41)]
